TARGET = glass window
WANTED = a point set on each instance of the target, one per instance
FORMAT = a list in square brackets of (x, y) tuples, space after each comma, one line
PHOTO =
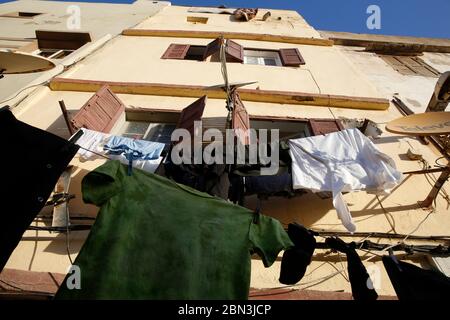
[(287, 129), (157, 132), (262, 57)]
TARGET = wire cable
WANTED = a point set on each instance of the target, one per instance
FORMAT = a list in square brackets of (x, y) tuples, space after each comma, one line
[(20, 91), (68, 234)]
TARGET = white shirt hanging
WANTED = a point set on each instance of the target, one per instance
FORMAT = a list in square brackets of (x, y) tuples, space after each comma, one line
[(339, 162)]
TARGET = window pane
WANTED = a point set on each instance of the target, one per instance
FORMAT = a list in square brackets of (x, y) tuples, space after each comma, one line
[(270, 62), (251, 60), (160, 132), (195, 53), (134, 129)]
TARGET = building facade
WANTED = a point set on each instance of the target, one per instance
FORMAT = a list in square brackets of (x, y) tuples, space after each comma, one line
[(165, 62), (63, 32)]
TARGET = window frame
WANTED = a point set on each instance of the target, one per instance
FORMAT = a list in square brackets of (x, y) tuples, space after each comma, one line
[(197, 20), (236, 54), (261, 54), (314, 126), (53, 53)]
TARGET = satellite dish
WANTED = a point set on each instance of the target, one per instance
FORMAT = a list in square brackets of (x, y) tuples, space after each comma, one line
[(422, 124), (234, 84), (441, 95), (21, 62)]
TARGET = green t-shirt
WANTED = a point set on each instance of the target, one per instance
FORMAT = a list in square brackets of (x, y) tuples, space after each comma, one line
[(156, 239)]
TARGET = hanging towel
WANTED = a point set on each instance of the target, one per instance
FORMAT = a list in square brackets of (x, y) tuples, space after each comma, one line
[(339, 162), (134, 149)]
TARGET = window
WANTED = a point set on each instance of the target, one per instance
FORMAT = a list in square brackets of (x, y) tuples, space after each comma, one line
[(150, 131), (296, 128), (287, 129), (158, 124), (264, 58), (20, 14), (54, 53), (195, 20), (235, 53), (410, 65), (195, 53), (57, 45)]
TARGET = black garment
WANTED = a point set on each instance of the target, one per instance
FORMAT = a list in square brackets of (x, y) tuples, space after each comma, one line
[(414, 283), (359, 278), (296, 259), (270, 185), (32, 161), (212, 179), (236, 193)]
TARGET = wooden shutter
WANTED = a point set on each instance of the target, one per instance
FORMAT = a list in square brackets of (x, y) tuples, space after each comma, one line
[(398, 65), (407, 65), (325, 126), (241, 119), (235, 51), (291, 57), (191, 113), (100, 112), (212, 48), (61, 40), (176, 51), (420, 67)]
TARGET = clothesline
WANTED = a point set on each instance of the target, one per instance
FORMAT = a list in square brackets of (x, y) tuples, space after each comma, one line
[(367, 245)]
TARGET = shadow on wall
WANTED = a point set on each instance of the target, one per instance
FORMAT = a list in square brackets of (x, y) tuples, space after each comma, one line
[(306, 209), (77, 206), (59, 246), (59, 127)]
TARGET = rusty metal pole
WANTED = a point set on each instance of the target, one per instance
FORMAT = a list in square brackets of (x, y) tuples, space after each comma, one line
[(428, 202), (62, 105)]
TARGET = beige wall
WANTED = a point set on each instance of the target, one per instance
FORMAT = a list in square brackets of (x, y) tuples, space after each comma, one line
[(281, 22), (140, 61), (415, 91), (96, 18), (99, 19)]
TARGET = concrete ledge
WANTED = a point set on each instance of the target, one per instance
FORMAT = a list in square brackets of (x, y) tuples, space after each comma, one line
[(268, 96), (367, 40), (231, 35)]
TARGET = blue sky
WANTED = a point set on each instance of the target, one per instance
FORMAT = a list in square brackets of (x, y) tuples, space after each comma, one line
[(420, 18)]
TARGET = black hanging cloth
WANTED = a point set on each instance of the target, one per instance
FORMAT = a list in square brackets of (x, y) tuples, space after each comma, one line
[(31, 161)]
